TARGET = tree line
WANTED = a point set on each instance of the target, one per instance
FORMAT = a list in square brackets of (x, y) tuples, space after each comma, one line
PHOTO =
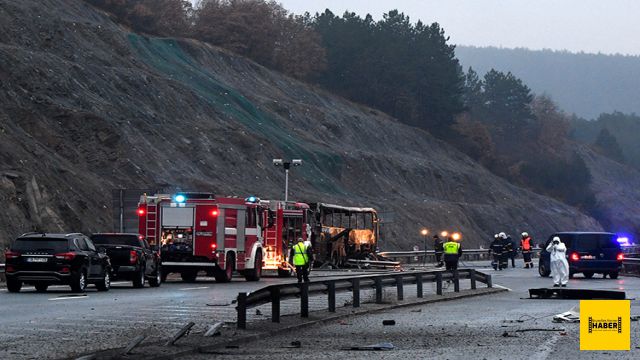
[(260, 30)]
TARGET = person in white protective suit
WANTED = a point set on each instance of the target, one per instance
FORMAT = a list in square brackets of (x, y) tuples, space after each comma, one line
[(559, 264)]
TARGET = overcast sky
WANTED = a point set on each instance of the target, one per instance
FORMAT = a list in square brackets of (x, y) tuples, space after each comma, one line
[(607, 26)]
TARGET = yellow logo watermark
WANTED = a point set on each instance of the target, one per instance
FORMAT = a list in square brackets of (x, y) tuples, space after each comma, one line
[(605, 324)]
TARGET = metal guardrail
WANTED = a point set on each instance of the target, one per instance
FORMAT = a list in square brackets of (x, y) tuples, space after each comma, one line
[(429, 256), (274, 294), (631, 266)]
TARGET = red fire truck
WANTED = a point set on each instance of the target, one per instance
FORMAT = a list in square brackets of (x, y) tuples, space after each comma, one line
[(198, 231), (290, 222)]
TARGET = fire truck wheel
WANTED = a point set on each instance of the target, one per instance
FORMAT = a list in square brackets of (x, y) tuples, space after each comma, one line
[(226, 274), (189, 275), (255, 273)]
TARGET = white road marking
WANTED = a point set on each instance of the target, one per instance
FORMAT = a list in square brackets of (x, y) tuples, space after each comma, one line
[(502, 287), (69, 298), (195, 288)]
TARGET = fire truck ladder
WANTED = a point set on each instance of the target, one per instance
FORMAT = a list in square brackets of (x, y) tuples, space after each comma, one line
[(152, 218)]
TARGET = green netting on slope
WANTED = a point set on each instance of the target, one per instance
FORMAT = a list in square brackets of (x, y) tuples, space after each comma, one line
[(166, 56)]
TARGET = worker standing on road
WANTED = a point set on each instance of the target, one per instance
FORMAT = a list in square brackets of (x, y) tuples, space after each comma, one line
[(452, 253), (504, 256), (526, 245), (512, 250), (438, 249), (496, 248), (301, 257), (559, 264)]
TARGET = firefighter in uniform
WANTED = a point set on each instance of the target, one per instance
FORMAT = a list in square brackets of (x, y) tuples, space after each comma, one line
[(301, 257), (452, 252), (496, 249), (526, 244), (512, 251), (439, 249)]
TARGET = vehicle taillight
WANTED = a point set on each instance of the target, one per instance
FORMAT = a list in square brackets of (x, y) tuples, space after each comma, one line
[(141, 211), (64, 270), (65, 256), (213, 246), (575, 257), (214, 213), (11, 255), (620, 257), (133, 257), (9, 269)]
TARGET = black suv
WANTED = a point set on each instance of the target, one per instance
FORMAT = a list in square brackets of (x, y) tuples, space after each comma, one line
[(587, 253), (44, 259), (131, 258)]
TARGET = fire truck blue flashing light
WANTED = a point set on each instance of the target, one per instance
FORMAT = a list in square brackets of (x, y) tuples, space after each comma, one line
[(251, 199), (180, 198)]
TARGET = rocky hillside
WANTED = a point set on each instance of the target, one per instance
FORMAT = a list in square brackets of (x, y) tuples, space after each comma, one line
[(616, 189), (88, 106)]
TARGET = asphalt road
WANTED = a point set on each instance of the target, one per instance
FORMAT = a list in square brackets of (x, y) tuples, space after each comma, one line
[(57, 323), (489, 327)]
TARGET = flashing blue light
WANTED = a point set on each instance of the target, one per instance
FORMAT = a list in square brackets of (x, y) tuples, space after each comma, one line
[(251, 199), (623, 240), (180, 198)]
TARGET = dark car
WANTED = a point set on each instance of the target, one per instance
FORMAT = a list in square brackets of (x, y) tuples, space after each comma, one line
[(44, 259), (587, 253), (131, 258)]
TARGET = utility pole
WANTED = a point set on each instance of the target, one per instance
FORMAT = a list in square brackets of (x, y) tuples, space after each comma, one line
[(286, 165)]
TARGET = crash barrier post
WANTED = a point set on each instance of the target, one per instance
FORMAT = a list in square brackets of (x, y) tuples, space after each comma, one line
[(274, 294), (631, 265)]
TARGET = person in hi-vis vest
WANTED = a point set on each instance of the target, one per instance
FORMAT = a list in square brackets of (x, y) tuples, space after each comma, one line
[(452, 252), (301, 257)]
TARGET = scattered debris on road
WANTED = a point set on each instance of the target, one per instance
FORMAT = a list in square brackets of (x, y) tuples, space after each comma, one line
[(567, 317), (135, 342), (374, 347), (578, 294), (214, 330), (180, 333), (388, 322), (506, 334), (539, 329), (294, 345)]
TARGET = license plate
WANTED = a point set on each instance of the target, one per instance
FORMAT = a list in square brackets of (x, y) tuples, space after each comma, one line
[(587, 257), (37, 260)]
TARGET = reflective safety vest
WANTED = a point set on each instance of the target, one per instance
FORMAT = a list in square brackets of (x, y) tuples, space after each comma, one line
[(451, 248), (300, 257), (526, 244)]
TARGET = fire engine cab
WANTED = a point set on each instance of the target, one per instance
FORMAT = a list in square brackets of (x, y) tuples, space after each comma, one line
[(198, 231), (290, 222)]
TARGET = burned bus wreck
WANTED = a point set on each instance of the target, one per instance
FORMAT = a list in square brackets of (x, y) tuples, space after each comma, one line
[(343, 233)]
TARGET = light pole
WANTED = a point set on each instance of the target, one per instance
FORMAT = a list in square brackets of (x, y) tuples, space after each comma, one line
[(286, 165), (424, 233)]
